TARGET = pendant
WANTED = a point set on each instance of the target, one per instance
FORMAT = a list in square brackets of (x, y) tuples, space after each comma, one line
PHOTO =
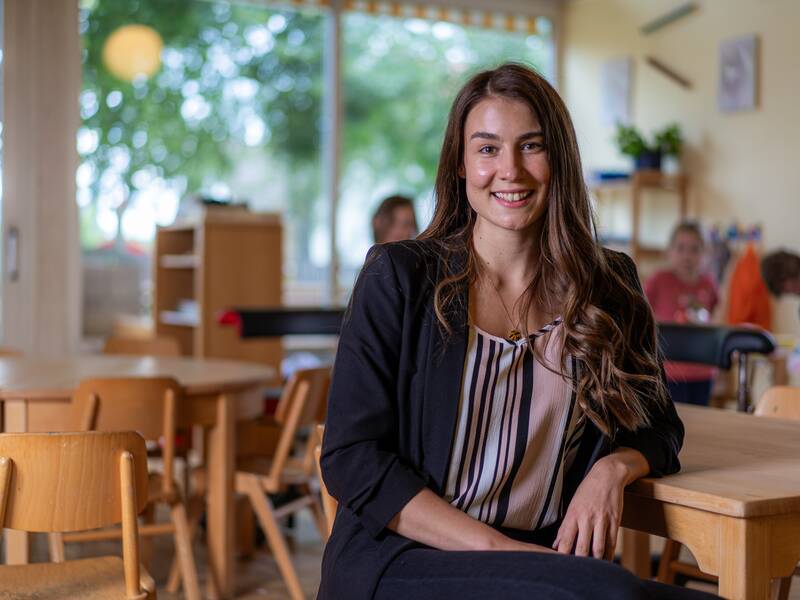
[(514, 336)]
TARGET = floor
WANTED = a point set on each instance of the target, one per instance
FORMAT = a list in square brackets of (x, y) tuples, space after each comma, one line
[(258, 576)]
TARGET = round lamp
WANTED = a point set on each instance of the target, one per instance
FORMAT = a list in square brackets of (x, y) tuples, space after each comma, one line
[(132, 51)]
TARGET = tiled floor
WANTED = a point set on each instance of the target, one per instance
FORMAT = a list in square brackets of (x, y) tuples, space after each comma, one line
[(257, 577)]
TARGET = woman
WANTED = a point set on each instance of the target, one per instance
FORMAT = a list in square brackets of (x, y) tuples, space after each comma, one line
[(497, 382), (394, 220)]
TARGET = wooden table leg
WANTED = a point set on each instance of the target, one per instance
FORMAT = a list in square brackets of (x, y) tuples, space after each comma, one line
[(744, 568), (636, 552), (221, 466), (17, 542)]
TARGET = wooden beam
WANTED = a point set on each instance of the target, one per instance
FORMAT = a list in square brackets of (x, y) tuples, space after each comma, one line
[(668, 71), (667, 18)]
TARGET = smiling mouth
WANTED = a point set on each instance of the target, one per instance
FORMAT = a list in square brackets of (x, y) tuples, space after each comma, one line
[(512, 196)]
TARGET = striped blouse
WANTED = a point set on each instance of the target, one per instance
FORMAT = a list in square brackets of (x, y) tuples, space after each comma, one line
[(518, 431)]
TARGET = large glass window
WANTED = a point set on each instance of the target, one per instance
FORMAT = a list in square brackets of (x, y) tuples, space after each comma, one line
[(225, 100), (231, 109), (399, 79)]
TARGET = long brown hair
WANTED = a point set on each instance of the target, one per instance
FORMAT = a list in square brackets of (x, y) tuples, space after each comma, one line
[(619, 379)]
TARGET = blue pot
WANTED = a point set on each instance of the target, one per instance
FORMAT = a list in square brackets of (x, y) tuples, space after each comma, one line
[(648, 160)]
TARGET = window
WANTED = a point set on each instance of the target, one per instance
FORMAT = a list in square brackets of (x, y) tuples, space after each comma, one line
[(231, 111), (225, 101)]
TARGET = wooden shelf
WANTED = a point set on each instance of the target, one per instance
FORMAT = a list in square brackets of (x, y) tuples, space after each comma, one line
[(641, 180), (177, 318), (179, 261), (217, 260)]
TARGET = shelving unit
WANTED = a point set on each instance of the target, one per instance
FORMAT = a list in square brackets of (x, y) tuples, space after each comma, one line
[(217, 262), (635, 187)]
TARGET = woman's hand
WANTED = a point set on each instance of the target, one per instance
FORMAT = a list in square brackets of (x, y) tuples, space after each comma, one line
[(593, 517)]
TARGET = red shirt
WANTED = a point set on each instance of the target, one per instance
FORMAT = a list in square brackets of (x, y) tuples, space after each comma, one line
[(676, 301)]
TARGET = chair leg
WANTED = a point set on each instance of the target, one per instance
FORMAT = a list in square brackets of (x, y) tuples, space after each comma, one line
[(277, 543), (146, 542), (781, 587), (183, 548), (671, 551), (55, 543), (316, 511), (245, 520), (195, 511)]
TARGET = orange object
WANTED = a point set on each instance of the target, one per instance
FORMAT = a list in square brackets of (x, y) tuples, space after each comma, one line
[(749, 300)]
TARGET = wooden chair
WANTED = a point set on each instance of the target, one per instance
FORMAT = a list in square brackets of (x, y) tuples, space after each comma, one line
[(7, 352), (70, 482), (329, 504), (154, 346), (267, 464), (781, 402), (149, 405)]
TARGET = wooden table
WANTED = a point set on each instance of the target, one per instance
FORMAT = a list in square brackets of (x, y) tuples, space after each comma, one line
[(35, 393), (735, 504)]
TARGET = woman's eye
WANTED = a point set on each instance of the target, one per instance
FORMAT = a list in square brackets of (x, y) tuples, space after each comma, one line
[(486, 150), (532, 146)]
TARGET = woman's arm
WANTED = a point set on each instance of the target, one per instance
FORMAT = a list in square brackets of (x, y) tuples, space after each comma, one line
[(430, 520), (360, 462)]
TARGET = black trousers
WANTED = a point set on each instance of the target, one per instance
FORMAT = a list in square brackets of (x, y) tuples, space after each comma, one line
[(428, 574)]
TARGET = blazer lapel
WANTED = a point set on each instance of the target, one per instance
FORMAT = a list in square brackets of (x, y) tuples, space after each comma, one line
[(443, 384)]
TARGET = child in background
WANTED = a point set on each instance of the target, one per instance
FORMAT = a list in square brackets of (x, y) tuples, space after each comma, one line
[(683, 293)]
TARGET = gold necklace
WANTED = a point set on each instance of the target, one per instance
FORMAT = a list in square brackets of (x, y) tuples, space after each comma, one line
[(514, 334)]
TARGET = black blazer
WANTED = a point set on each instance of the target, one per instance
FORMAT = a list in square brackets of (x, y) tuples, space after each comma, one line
[(393, 406)]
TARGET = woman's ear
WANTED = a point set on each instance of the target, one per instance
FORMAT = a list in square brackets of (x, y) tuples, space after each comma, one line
[(461, 172)]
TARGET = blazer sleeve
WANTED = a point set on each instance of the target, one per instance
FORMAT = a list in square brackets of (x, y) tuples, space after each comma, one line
[(360, 462), (661, 441)]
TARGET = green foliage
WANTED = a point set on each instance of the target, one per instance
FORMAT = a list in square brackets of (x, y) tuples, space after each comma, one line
[(631, 142), (670, 139)]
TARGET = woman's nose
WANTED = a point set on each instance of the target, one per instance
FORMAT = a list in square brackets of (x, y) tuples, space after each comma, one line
[(510, 165)]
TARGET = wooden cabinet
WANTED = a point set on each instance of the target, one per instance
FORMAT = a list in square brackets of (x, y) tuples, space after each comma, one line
[(223, 260), (635, 188)]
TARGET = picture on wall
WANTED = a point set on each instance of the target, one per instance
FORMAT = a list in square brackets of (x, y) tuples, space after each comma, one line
[(738, 73), (616, 76)]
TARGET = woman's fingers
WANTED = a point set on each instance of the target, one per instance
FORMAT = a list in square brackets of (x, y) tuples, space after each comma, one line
[(611, 544), (565, 540), (599, 538), (584, 543)]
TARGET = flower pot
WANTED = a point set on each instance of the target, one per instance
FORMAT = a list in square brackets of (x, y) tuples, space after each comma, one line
[(648, 160), (670, 164)]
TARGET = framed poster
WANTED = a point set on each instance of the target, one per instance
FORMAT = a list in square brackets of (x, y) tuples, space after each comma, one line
[(738, 74)]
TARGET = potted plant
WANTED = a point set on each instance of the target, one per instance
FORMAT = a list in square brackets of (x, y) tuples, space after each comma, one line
[(670, 141), (632, 143)]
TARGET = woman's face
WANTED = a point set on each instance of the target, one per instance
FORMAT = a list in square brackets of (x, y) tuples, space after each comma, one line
[(505, 165)]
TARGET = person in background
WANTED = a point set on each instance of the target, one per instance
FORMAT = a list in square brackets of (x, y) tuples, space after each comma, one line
[(781, 272), (683, 293), (394, 221)]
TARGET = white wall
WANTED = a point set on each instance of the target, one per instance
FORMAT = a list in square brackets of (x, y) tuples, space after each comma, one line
[(744, 165)]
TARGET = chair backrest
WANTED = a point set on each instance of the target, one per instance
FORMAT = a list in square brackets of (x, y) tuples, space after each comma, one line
[(303, 402), (307, 392), (329, 503), (780, 401), (9, 352), (147, 405), (711, 345), (155, 346), (59, 482)]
